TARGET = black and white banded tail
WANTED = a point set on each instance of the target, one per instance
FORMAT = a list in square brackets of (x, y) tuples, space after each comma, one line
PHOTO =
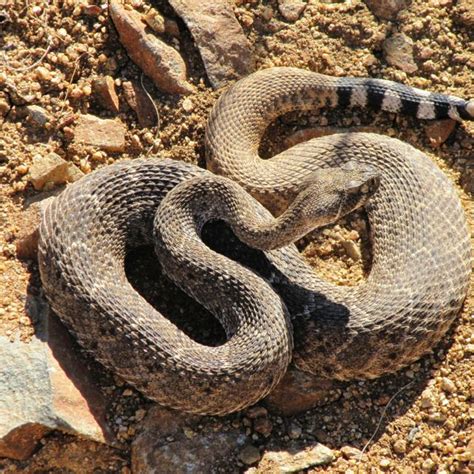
[(391, 96)]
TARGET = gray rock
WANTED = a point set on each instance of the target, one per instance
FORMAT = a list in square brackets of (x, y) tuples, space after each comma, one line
[(162, 63), (249, 455), (38, 116), (387, 9), (219, 37), (162, 445), (299, 391), (291, 10), (398, 50), (45, 386), (48, 171), (295, 460)]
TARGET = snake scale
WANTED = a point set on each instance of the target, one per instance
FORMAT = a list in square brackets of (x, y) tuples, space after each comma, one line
[(416, 286)]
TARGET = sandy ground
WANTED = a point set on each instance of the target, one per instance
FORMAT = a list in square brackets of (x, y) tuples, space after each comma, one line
[(427, 427)]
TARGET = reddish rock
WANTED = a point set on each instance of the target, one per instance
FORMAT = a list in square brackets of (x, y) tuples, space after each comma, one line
[(291, 10), (104, 91), (224, 49), (398, 50), (45, 386), (299, 391), (141, 104), (106, 134), (160, 62), (387, 9), (27, 238), (439, 131)]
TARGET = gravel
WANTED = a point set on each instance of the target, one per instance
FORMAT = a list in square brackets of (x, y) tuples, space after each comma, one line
[(55, 53)]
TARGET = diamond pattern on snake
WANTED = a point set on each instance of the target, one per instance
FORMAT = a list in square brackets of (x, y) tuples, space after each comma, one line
[(281, 311)]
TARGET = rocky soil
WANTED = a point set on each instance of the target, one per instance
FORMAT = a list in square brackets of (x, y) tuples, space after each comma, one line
[(72, 100)]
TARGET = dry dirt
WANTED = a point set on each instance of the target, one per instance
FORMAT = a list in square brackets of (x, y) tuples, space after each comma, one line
[(427, 427)]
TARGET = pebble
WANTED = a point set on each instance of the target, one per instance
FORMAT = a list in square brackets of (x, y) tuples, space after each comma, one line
[(384, 463), (398, 50), (291, 10), (38, 116), (249, 455), (105, 134), (140, 103), (349, 452), (400, 446), (439, 131), (224, 48), (352, 250), (50, 168), (448, 385), (188, 105), (155, 21), (263, 426), (104, 91), (257, 412), (387, 9), (294, 431)]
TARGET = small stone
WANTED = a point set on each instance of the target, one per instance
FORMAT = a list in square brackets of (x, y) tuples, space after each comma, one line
[(384, 463), (448, 385), (162, 63), (400, 446), (439, 131), (50, 168), (43, 74), (387, 9), (188, 106), (428, 465), (4, 104), (91, 10), (263, 426), (155, 21), (295, 460), (349, 452), (104, 91), (291, 10), (352, 250), (37, 115), (106, 134), (141, 104), (257, 412), (223, 46), (249, 455), (294, 431), (398, 50), (27, 237), (299, 391)]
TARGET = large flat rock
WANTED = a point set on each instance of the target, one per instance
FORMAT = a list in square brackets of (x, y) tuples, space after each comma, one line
[(44, 385)]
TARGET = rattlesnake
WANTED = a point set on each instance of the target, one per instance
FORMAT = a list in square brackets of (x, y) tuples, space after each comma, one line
[(417, 283)]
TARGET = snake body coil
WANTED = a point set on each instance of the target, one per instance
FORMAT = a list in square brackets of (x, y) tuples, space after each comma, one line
[(417, 283)]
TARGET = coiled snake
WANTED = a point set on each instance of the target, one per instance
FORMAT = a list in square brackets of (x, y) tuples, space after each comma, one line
[(417, 283)]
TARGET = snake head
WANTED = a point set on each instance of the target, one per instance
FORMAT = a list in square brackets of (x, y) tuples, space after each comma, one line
[(330, 193)]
